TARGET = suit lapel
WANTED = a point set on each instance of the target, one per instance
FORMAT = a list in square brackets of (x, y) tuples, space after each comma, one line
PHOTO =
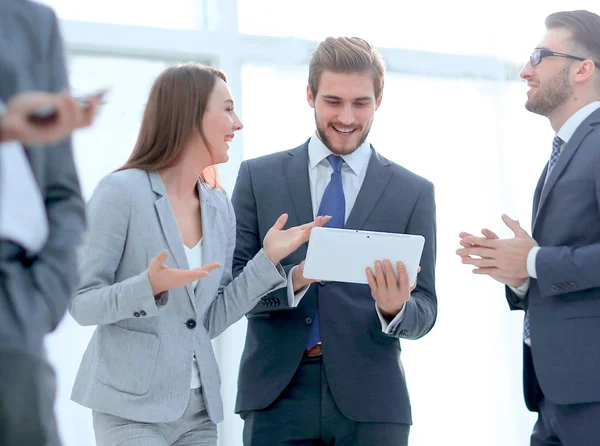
[(296, 175), (209, 238), (169, 226), (537, 195), (376, 179), (563, 160)]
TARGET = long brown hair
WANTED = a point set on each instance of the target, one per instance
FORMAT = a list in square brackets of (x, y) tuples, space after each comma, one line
[(176, 105)]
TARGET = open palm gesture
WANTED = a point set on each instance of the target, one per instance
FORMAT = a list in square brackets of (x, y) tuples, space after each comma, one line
[(280, 243), (163, 278)]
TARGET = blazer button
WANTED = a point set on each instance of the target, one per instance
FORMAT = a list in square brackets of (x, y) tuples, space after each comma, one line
[(143, 313), (190, 323), (136, 314), (322, 283), (308, 320), (554, 288), (573, 285)]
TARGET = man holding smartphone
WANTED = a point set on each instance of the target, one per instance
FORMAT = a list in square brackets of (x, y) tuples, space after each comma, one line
[(42, 217)]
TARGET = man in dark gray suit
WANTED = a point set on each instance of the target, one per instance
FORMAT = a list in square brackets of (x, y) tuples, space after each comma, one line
[(322, 362), (41, 221), (555, 276)]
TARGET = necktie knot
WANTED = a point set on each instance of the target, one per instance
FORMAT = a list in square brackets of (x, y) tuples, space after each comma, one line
[(556, 145), (336, 162)]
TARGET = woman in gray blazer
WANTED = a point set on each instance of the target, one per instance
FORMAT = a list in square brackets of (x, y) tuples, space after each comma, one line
[(156, 271)]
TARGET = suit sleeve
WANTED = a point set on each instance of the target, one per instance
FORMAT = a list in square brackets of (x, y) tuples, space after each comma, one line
[(248, 241), (55, 268), (99, 299), (565, 269), (515, 302), (237, 296), (420, 311)]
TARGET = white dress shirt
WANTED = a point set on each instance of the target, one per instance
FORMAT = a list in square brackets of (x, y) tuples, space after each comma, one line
[(354, 170), (565, 133), (194, 258), (23, 218)]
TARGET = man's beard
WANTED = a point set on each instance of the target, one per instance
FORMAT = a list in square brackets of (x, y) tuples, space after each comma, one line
[(552, 95), (323, 137)]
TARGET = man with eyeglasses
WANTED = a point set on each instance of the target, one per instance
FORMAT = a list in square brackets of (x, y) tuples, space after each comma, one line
[(554, 276)]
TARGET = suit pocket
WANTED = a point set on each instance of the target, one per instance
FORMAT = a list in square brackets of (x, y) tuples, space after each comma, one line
[(583, 316), (583, 308), (128, 359), (261, 315)]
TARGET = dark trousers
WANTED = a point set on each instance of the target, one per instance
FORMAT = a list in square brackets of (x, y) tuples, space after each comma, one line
[(306, 414), (567, 425), (27, 388)]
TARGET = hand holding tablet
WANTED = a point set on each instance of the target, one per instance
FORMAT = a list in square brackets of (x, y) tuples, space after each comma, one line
[(343, 255)]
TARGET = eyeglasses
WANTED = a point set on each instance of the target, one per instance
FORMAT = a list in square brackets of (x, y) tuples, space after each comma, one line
[(537, 56)]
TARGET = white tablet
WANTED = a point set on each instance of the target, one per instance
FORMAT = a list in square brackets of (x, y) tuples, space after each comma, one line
[(343, 255)]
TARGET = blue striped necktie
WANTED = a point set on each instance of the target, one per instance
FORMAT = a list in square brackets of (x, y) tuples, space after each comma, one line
[(333, 203), (556, 145)]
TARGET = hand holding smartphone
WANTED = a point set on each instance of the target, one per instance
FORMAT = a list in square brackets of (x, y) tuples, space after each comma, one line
[(37, 118), (48, 113)]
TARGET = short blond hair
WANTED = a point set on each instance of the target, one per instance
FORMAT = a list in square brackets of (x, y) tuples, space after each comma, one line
[(346, 55)]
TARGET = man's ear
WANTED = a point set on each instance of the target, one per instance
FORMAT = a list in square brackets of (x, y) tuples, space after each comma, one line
[(585, 72), (378, 102), (309, 97)]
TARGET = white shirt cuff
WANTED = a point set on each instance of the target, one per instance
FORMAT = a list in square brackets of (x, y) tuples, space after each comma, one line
[(294, 299), (531, 261), (522, 290), (388, 328)]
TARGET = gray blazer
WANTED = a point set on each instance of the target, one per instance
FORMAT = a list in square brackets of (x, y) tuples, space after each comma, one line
[(564, 301), (37, 289), (138, 363)]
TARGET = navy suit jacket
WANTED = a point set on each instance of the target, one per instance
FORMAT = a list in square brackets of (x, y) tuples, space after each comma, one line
[(362, 363), (564, 301)]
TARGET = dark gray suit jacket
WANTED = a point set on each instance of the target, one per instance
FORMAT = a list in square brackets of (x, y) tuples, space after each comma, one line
[(564, 301), (39, 289), (361, 362)]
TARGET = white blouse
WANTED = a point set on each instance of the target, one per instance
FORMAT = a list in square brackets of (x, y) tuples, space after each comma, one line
[(194, 258)]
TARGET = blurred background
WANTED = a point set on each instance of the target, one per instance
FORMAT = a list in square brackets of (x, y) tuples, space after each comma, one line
[(452, 112)]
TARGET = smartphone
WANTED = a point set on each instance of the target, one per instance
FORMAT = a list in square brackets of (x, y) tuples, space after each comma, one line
[(47, 113), (85, 99), (43, 115)]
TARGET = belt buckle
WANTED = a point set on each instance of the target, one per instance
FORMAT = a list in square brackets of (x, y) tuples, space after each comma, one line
[(317, 350)]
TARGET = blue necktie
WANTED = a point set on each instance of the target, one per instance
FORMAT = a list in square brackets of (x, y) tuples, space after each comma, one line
[(556, 145), (333, 203)]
